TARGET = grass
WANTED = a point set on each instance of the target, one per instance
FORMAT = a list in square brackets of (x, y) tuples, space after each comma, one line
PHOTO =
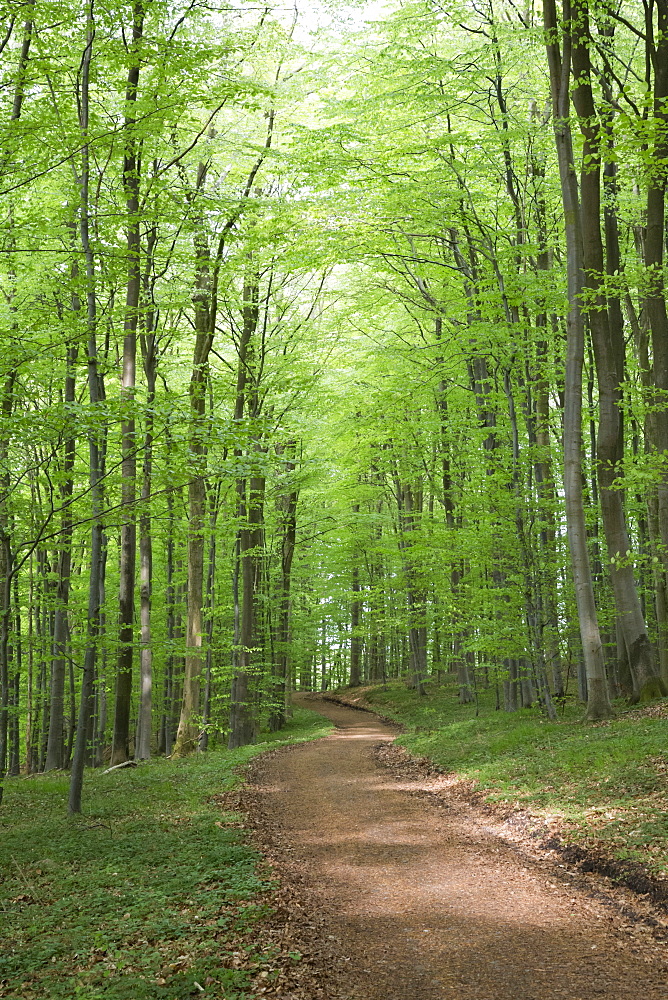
[(153, 891), (602, 784)]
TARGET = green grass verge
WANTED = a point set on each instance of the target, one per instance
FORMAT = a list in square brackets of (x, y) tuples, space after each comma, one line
[(141, 897), (605, 784)]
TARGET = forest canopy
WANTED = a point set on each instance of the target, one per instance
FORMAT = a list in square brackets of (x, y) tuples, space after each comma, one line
[(334, 350)]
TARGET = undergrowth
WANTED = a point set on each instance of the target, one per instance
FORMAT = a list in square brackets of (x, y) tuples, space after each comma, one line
[(148, 896), (604, 784)]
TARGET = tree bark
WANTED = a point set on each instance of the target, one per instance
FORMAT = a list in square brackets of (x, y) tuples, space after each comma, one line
[(251, 540), (249, 533), (598, 702), (210, 598), (96, 448), (653, 246), (188, 730), (288, 508), (7, 406), (150, 358), (605, 323), (356, 606), (206, 307), (6, 565), (409, 506), (128, 547), (54, 752)]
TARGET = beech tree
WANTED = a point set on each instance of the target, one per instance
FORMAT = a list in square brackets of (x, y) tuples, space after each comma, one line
[(292, 399)]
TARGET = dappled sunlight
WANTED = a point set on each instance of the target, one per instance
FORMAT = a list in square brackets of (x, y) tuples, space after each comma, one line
[(393, 865), (430, 904), (349, 734)]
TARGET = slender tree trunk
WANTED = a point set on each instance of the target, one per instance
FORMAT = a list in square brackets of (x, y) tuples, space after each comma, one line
[(654, 304), (531, 611), (6, 557), (210, 604), (43, 632), (242, 718), (249, 534), (30, 727), (143, 738), (448, 500), (100, 701), (128, 548), (166, 737), (55, 750), (409, 506), (543, 465), (356, 640), (6, 566), (288, 507), (206, 308), (188, 730), (149, 350), (205, 301), (179, 661), (96, 449)]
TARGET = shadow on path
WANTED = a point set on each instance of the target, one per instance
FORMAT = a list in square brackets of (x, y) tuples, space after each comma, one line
[(422, 906)]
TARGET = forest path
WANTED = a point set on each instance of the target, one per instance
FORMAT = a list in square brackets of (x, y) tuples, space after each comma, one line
[(420, 903)]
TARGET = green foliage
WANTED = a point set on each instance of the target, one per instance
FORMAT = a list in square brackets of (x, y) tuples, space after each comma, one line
[(142, 896), (402, 238)]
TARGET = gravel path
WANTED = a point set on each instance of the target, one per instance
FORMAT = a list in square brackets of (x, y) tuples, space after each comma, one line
[(420, 904)]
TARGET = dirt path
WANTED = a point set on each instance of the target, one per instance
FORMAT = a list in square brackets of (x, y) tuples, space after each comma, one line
[(417, 904)]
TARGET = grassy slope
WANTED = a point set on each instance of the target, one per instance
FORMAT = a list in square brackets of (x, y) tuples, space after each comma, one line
[(603, 784), (143, 896)]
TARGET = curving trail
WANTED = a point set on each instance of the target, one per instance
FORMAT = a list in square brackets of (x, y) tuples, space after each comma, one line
[(423, 905)]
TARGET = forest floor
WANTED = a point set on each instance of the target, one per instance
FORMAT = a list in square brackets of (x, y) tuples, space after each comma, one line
[(391, 887), (153, 893)]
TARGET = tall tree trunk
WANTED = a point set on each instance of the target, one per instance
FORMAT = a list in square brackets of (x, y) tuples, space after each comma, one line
[(31, 713), (598, 702), (186, 738), (167, 736), (242, 717), (54, 752), (605, 322), (543, 465), (356, 640), (149, 357), (6, 557), (205, 302), (6, 561), (128, 547), (250, 517), (149, 350), (6, 567), (210, 600), (530, 605), (653, 246), (409, 506), (288, 508), (448, 500), (44, 635), (96, 447), (356, 605), (641, 345)]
